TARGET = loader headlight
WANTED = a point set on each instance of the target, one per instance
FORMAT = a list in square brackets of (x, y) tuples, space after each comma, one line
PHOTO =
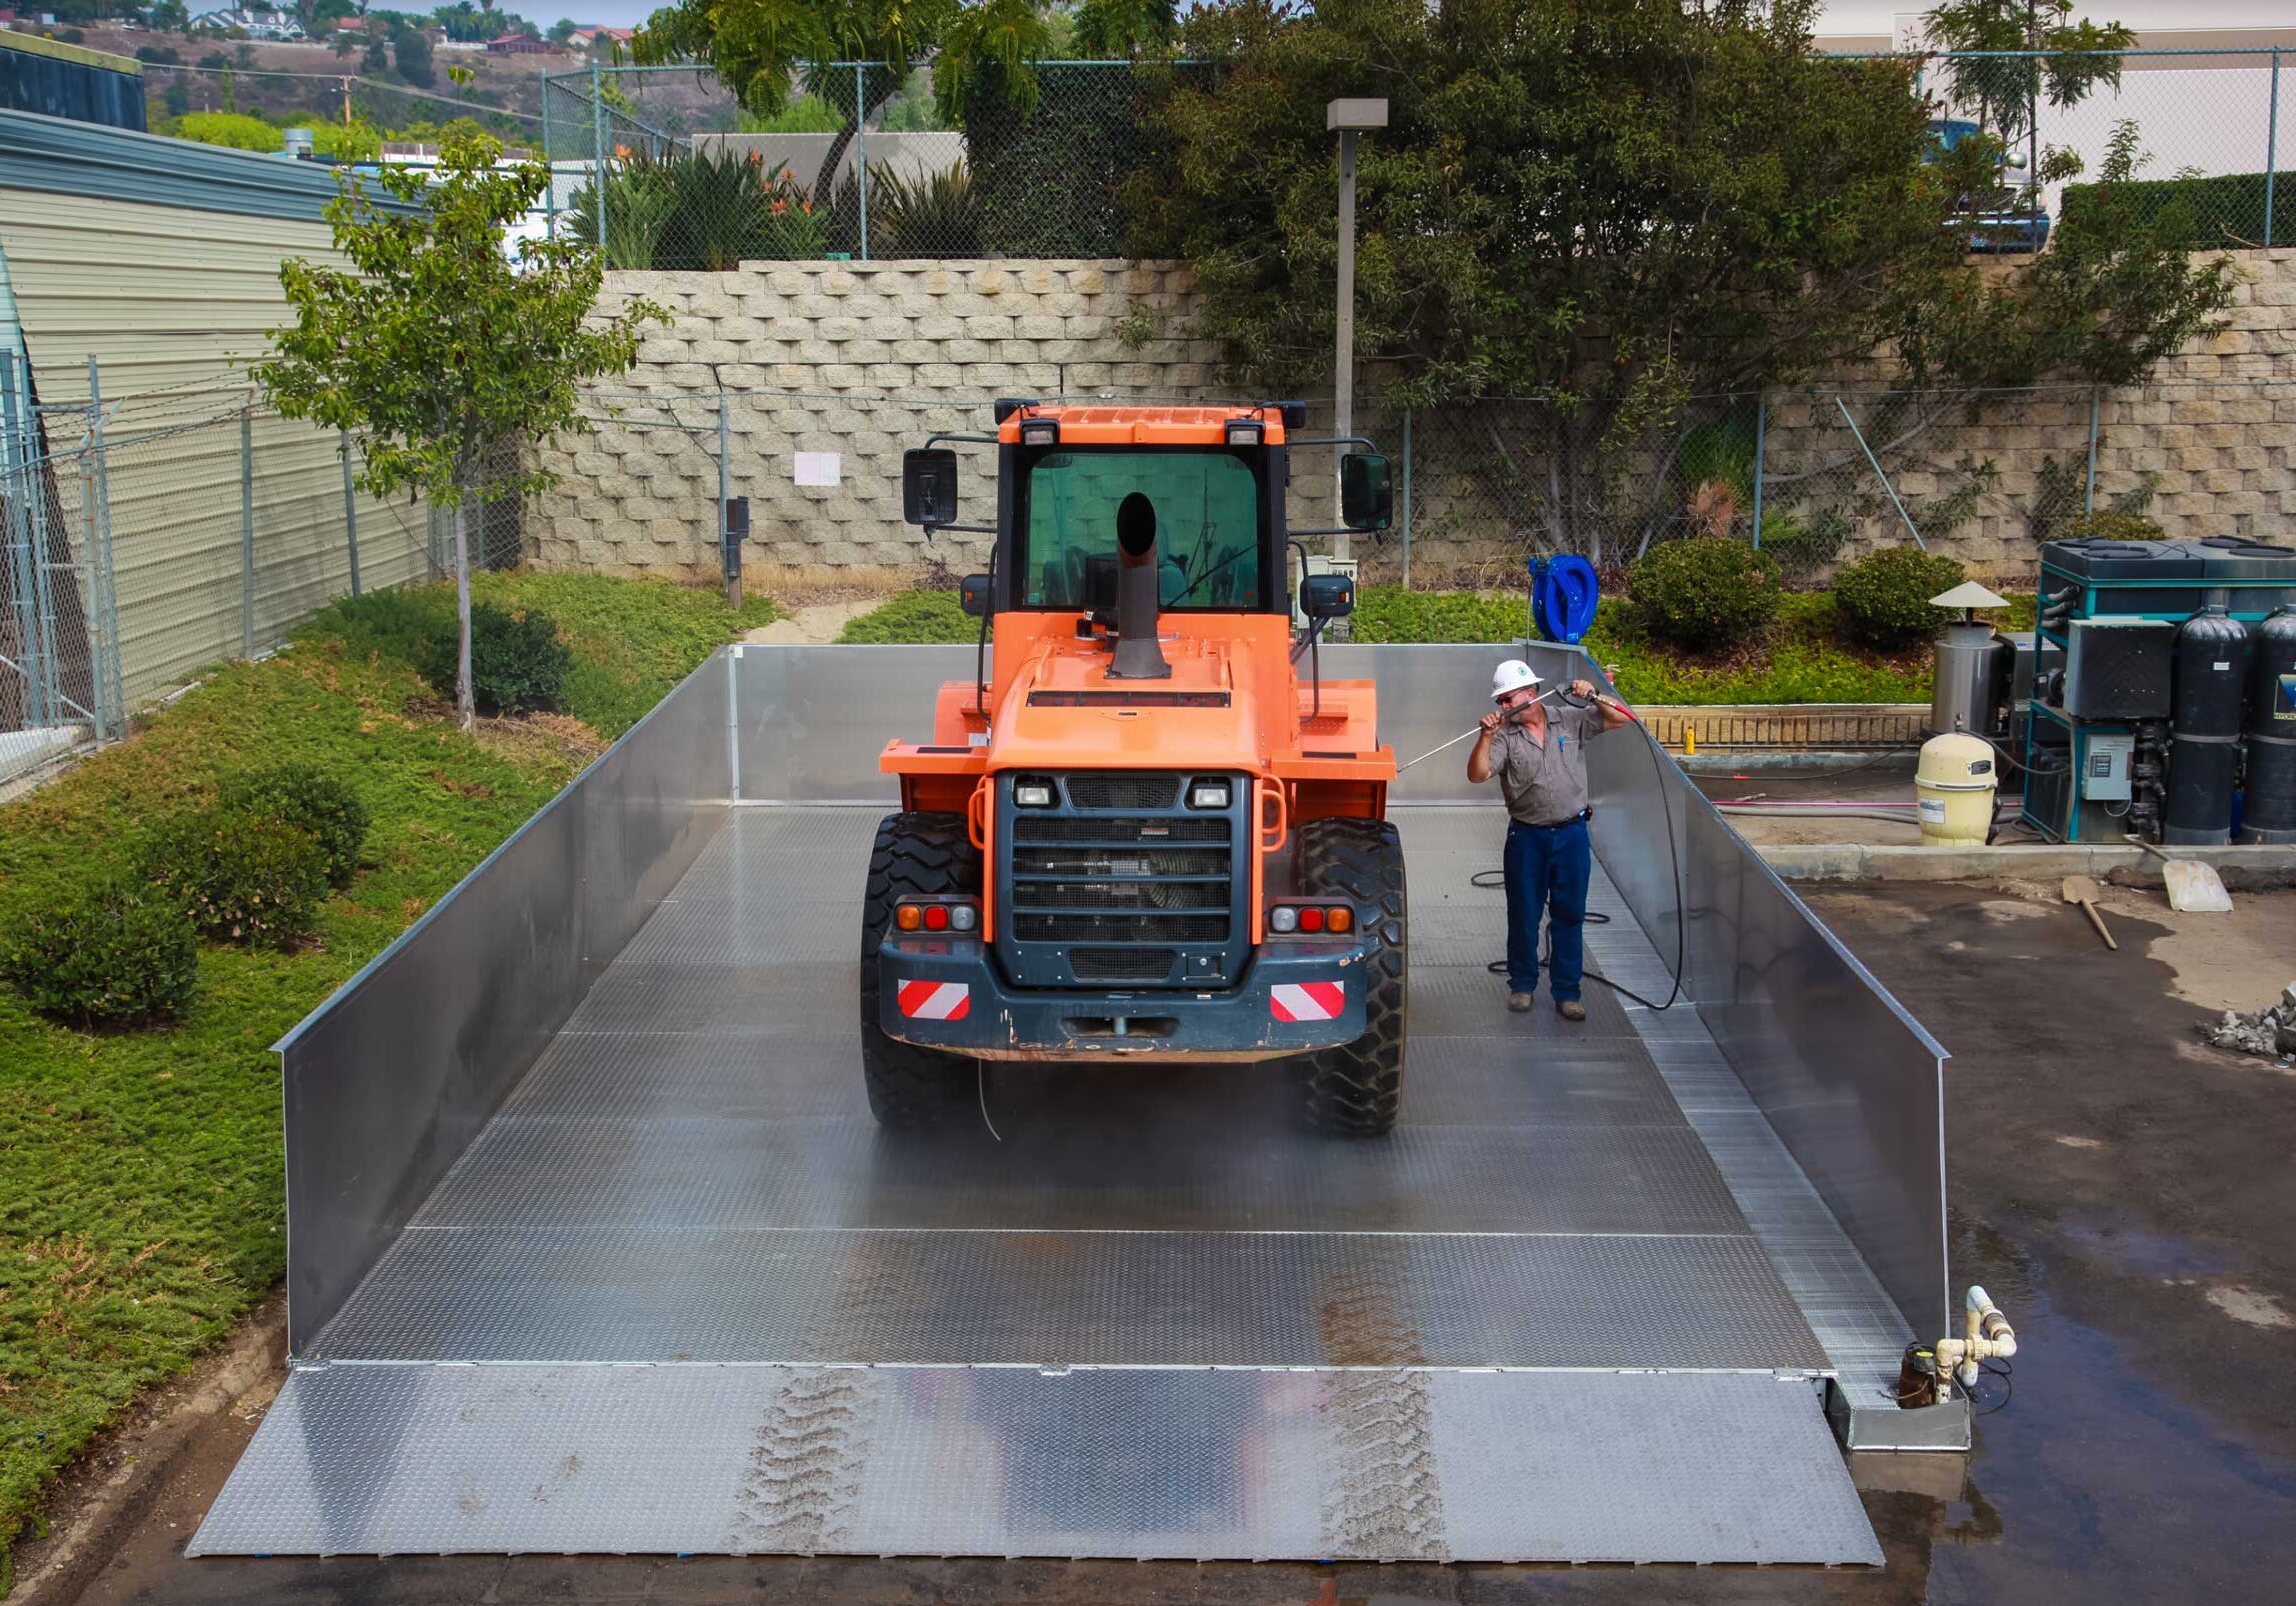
[(1208, 795), (1032, 795)]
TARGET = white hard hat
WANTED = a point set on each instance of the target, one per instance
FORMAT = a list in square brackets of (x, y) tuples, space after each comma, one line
[(1512, 676)]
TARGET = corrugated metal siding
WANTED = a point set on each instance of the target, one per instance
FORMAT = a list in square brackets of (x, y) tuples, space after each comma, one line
[(62, 81), (166, 297)]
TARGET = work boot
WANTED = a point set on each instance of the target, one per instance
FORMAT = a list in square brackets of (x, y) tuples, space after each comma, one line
[(1519, 1003), (1570, 1008)]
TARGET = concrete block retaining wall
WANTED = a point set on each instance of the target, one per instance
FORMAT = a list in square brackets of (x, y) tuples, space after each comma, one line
[(865, 360)]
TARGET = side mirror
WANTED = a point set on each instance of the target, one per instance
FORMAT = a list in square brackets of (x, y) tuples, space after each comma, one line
[(972, 594), (1366, 495), (1327, 595), (929, 486)]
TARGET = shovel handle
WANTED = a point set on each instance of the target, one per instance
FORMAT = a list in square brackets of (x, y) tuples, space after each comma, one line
[(2097, 920)]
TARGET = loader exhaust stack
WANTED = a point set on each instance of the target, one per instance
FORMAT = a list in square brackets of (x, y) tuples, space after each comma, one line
[(1139, 656)]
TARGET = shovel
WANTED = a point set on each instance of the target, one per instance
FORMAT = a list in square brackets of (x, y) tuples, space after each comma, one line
[(2081, 890), (2193, 887)]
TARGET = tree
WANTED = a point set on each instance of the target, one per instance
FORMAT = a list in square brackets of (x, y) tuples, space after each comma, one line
[(171, 16), (1605, 206), (563, 30), (763, 50), (410, 54), (435, 346)]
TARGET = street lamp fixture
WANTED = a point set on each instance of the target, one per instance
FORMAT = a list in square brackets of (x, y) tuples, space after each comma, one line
[(1347, 118)]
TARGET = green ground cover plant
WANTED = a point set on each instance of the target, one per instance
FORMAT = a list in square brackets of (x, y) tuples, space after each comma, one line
[(141, 1170)]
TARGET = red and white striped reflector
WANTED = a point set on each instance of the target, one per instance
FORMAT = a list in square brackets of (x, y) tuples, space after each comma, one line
[(1307, 1000), (935, 1000)]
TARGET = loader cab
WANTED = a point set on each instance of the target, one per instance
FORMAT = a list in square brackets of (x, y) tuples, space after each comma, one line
[(1215, 477)]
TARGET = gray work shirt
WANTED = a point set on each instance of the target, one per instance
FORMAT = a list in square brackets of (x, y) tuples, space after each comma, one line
[(1542, 774)]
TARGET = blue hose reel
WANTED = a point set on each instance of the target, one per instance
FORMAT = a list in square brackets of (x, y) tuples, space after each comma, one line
[(1564, 596)]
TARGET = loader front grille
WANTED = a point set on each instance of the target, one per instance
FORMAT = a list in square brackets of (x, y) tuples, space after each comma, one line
[(1120, 883)]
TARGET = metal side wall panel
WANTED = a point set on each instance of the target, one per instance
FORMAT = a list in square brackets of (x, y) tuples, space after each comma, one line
[(388, 1083), (1851, 1084)]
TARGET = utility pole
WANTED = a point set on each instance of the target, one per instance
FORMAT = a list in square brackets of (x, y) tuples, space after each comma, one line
[(1347, 118)]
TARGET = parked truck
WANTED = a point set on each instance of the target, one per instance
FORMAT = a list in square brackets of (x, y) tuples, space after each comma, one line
[(1146, 829)]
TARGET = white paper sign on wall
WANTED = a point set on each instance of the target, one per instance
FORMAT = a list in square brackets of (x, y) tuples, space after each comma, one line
[(819, 468)]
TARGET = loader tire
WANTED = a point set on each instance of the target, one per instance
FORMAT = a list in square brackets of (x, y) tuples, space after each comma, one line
[(914, 853), (1356, 1089)]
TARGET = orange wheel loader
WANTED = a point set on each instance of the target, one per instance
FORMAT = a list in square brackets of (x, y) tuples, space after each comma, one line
[(1146, 828)]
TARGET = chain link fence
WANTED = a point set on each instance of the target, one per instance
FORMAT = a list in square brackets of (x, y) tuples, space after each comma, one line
[(694, 182), (1817, 476), (144, 538), (351, 118)]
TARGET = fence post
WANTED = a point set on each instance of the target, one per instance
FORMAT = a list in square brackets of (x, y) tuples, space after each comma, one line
[(34, 491), (598, 148), (2271, 144), (103, 599), (550, 166), (726, 554), (2089, 497), (1407, 499), (1911, 529), (246, 530), (861, 145), (349, 515), (1760, 433)]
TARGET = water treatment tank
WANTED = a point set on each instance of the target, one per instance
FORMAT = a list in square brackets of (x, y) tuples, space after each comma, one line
[(1954, 782), (2268, 806), (2209, 686)]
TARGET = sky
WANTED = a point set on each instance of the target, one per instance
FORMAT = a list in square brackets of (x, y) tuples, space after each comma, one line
[(1845, 16)]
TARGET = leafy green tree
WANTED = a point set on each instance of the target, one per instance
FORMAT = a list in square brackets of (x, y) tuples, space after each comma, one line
[(171, 16), (410, 54), (434, 344), (766, 51), (1607, 206), (563, 30)]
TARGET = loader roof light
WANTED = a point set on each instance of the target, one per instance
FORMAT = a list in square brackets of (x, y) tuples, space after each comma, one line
[(1246, 432), (1040, 431)]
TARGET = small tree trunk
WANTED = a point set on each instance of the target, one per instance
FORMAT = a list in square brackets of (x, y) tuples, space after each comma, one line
[(464, 708)]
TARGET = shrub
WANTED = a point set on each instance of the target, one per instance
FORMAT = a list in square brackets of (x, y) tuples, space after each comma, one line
[(2110, 524), (1703, 591), (314, 803), (241, 878), (234, 128), (110, 955), (915, 616), (932, 215), (1391, 614), (1884, 596), (2218, 212), (517, 662)]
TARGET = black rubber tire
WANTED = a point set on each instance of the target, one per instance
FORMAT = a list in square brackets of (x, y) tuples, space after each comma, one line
[(914, 853), (1356, 1089)]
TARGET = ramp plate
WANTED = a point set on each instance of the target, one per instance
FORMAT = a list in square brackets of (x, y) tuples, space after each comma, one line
[(1386, 1465), (680, 1295)]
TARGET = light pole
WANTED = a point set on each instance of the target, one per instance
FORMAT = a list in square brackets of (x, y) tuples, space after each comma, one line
[(1348, 118)]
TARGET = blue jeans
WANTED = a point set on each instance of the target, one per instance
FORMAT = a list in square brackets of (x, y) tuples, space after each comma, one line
[(1547, 868)]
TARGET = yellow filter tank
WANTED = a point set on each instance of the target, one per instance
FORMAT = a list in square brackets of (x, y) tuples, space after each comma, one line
[(1954, 783)]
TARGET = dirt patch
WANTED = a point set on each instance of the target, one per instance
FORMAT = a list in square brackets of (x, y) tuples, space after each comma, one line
[(800, 585), (108, 1491), (817, 622)]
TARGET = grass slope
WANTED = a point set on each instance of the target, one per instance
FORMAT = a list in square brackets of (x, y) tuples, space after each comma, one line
[(141, 1175)]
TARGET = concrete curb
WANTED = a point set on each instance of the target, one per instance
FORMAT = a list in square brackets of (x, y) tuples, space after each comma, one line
[(2126, 866), (58, 1568)]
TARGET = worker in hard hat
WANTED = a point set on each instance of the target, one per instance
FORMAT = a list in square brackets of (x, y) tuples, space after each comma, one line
[(1536, 748)]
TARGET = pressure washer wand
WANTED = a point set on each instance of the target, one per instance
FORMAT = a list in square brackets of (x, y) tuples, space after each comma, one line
[(1475, 728)]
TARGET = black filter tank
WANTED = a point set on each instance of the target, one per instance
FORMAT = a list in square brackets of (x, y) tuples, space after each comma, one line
[(2268, 809), (2210, 687)]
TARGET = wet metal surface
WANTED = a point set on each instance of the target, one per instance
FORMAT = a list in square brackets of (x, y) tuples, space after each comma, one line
[(688, 1189)]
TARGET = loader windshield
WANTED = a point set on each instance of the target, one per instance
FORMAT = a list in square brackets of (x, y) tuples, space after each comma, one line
[(1208, 517)]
